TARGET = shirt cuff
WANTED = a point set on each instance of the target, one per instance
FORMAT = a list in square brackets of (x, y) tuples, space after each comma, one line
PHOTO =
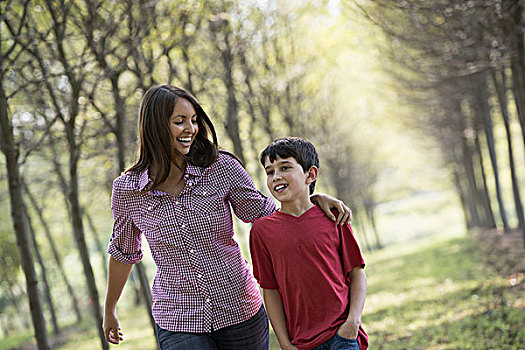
[(125, 258)]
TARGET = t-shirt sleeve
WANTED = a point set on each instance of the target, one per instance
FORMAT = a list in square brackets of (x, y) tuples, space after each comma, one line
[(351, 254), (261, 260), (126, 240)]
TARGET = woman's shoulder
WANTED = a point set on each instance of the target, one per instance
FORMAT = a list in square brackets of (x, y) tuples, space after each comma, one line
[(127, 181), (226, 158)]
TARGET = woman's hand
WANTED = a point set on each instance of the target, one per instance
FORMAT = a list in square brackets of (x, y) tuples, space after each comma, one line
[(111, 327), (326, 203)]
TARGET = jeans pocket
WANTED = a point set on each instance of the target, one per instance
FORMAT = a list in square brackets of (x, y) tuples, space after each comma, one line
[(342, 343)]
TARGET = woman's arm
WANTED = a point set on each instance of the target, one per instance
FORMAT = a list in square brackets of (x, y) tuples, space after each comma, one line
[(247, 202), (274, 307), (350, 328), (326, 203), (117, 277)]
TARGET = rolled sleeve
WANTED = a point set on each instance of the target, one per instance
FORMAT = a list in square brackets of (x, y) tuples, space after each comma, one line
[(126, 240), (247, 202)]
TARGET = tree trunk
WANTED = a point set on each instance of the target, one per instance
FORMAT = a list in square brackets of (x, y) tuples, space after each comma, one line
[(515, 185), (513, 31), (361, 228), (462, 198), (484, 191), (471, 195), (120, 121), (100, 249), (146, 293), (232, 113), (489, 136), (250, 97), (54, 251), (47, 290), (10, 150), (482, 114), (78, 231), (372, 220)]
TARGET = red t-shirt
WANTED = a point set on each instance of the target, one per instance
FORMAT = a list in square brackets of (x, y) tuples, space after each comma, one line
[(307, 259)]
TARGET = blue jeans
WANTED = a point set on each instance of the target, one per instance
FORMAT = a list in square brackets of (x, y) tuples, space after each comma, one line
[(338, 343), (252, 334)]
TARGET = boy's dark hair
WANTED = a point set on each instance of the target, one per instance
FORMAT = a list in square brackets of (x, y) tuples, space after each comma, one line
[(301, 150)]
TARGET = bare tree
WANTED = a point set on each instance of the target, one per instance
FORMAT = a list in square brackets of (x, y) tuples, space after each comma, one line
[(65, 104), (45, 283), (10, 52), (56, 256)]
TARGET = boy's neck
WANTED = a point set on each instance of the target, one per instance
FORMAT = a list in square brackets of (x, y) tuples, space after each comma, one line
[(298, 206)]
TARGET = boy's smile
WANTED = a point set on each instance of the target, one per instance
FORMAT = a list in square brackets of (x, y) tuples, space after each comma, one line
[(288, 182)]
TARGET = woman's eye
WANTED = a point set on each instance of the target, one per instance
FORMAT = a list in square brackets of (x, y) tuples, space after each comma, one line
[(177, 122), (269, 172), (194, 121)]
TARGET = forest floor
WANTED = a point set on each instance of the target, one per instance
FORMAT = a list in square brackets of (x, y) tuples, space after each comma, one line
[(460, 293), (463, 292)]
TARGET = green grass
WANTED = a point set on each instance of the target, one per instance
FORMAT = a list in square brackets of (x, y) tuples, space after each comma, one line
[(439, 296), (435, 293), (14, 341)]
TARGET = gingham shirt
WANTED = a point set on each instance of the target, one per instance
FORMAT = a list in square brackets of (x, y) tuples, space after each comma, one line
[(202, 282)]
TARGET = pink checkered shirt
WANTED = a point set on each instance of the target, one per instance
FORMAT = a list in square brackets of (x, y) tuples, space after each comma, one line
[(202, 281)]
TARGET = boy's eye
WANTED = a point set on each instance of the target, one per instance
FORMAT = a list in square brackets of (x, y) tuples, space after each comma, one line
[(285, 168), (269, 172)]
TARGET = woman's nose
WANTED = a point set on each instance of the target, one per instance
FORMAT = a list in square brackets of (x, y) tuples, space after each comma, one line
[(190, 127)]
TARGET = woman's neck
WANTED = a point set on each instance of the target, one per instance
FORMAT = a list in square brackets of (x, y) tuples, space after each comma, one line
[(174, 183)]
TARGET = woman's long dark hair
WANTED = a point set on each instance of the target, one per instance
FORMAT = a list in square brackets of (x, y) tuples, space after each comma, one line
[(155, 150)]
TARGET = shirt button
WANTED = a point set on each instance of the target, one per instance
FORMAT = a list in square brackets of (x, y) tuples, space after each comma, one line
[(207, 300), (204, 192), (150, 207), (183, 225), (191, 250), (177, 202), (199, 275)]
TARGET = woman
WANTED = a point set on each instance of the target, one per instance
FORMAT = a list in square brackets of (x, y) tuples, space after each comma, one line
[(179, 195)]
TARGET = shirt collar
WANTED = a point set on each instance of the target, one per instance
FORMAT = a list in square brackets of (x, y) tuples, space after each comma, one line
[(191, 170), (144, 179)]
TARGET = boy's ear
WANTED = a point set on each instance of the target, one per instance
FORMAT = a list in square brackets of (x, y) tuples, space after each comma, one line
[(311, 174)]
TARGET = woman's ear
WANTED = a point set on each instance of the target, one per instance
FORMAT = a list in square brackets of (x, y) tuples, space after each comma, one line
[(311, 174)]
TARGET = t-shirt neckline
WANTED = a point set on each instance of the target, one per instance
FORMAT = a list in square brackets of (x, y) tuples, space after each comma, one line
[(306, 213)]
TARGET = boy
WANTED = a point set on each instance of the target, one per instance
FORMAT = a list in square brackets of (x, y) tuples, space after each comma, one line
[(309, 268)]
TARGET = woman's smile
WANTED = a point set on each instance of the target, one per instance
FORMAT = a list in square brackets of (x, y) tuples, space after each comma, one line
[(183, 125)]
